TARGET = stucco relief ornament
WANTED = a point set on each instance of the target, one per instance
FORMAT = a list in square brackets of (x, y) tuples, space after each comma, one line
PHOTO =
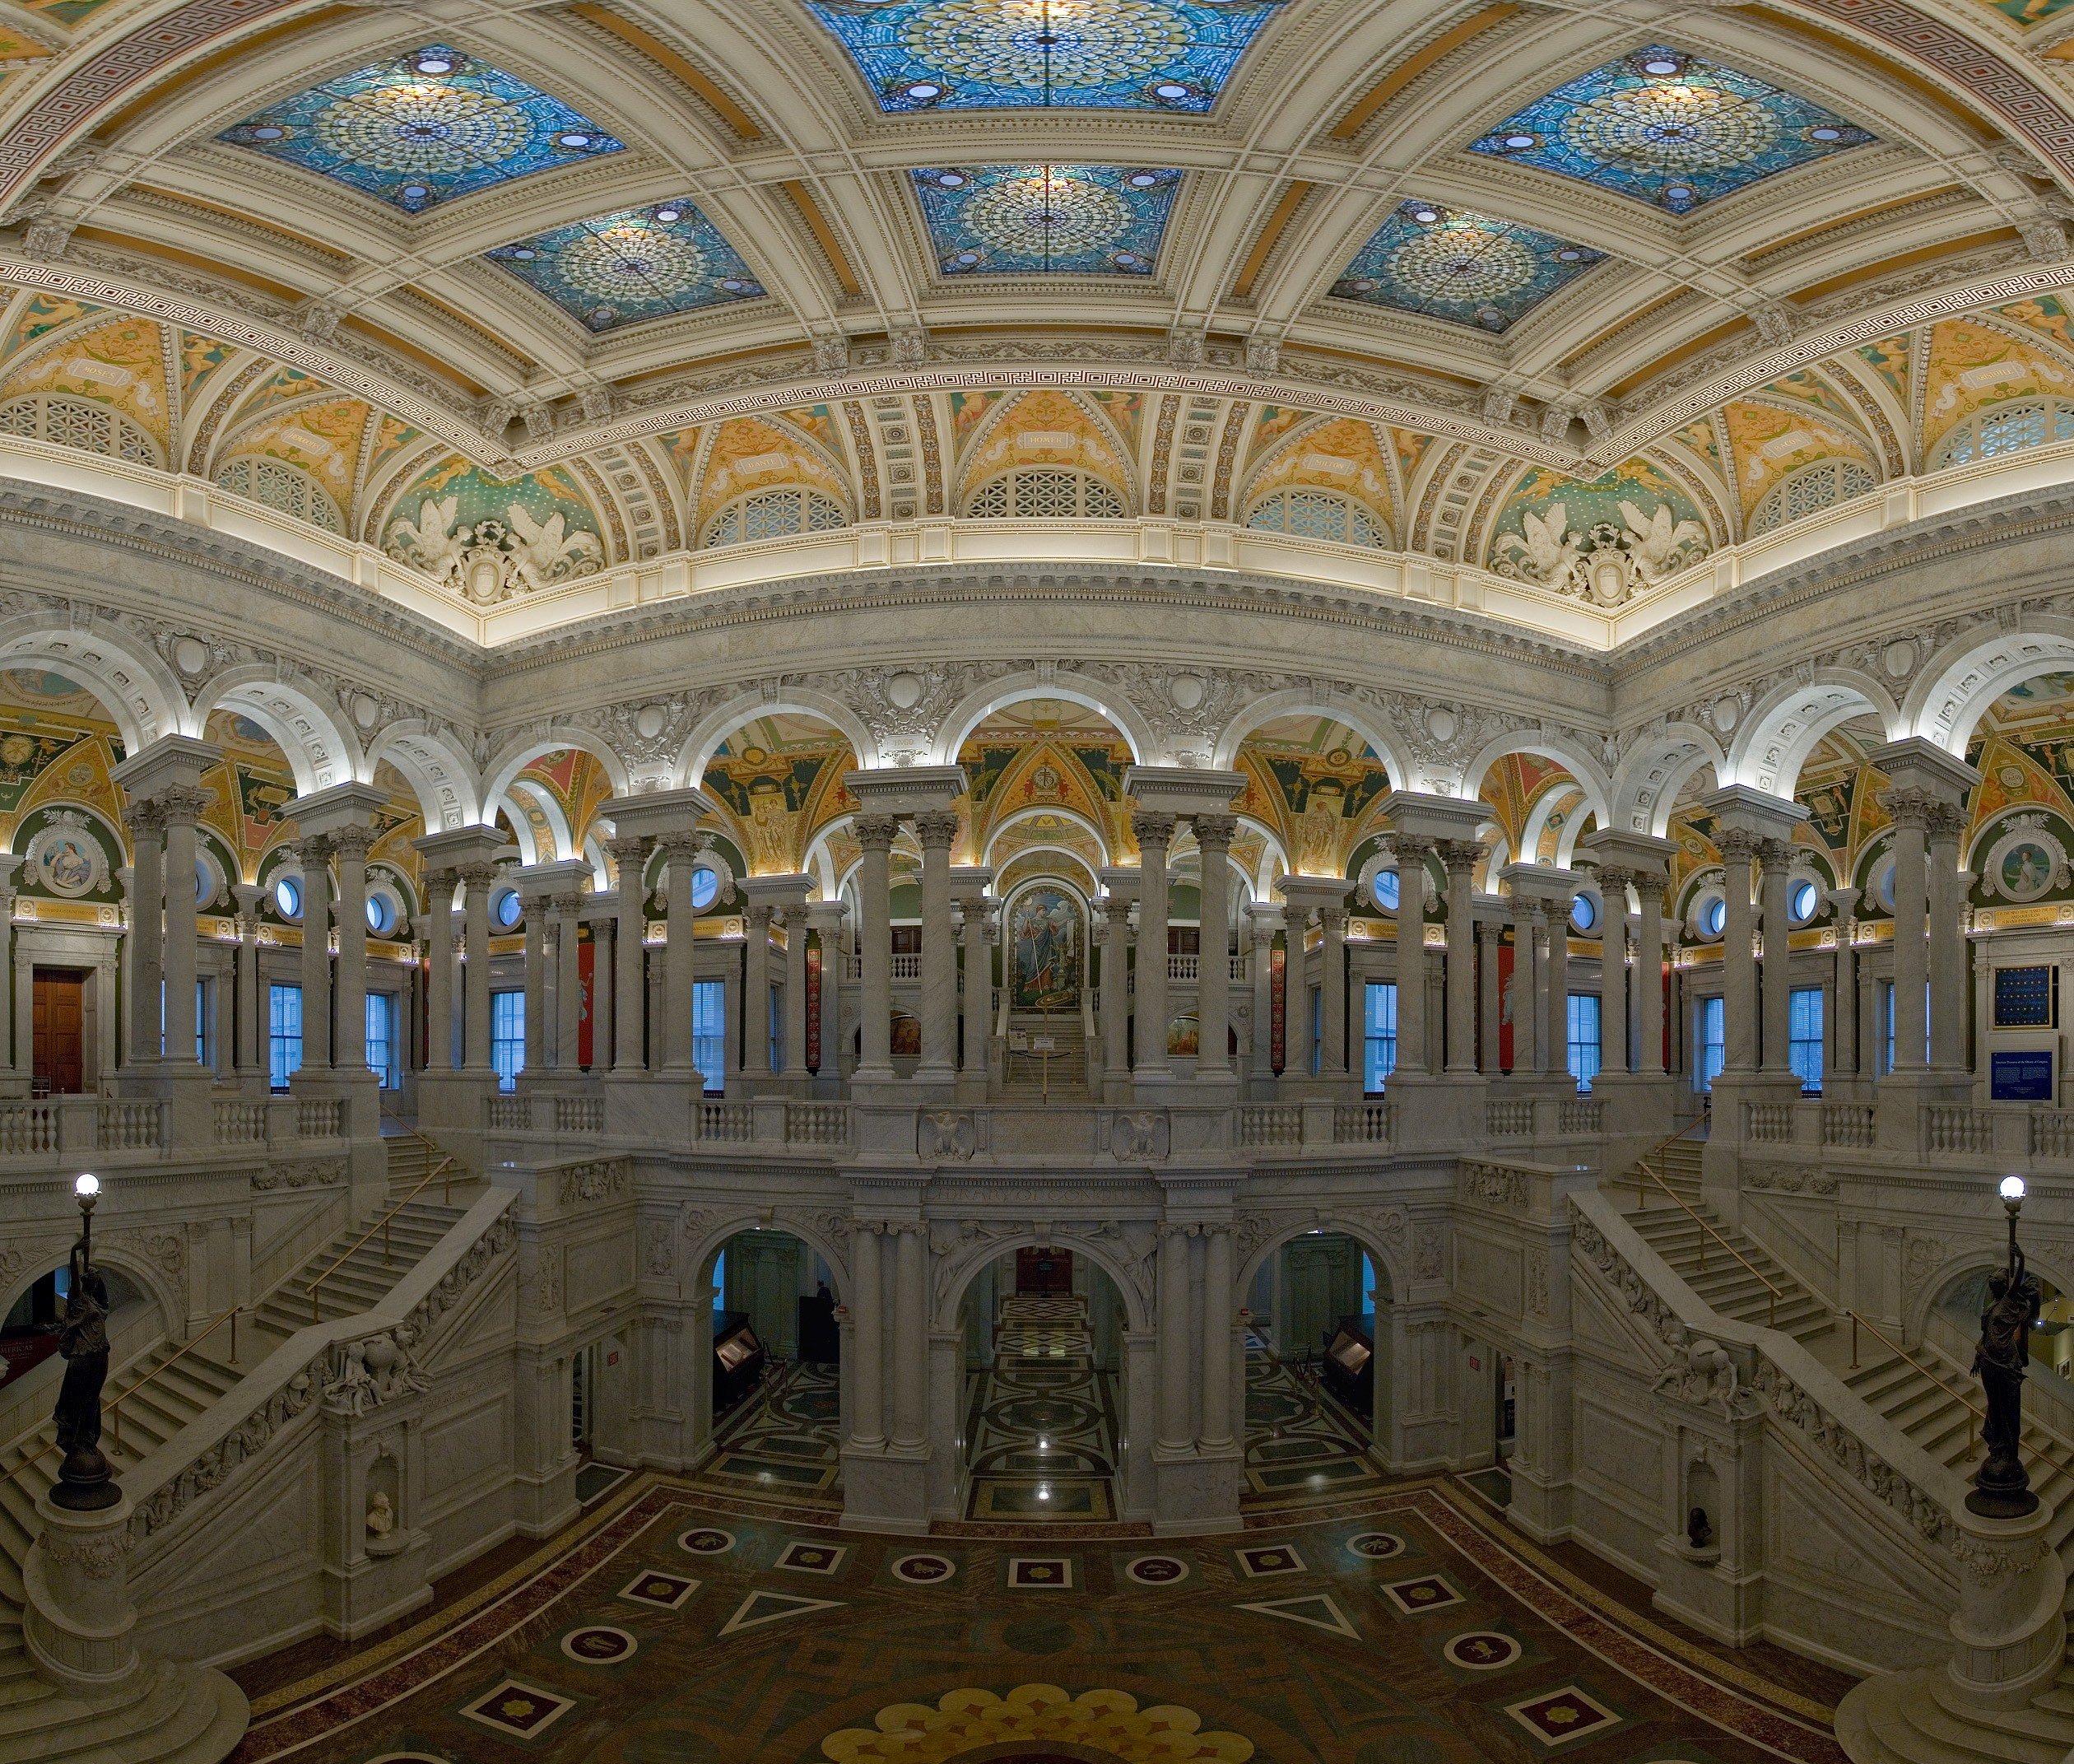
[(66, 857), (2026, 861), (1139, 1134), (946, 1133), (1703, 1372), (1605, 565), (493, 560)]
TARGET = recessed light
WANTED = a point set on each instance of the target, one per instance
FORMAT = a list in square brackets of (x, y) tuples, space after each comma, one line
[(1679, 193), (923, 90), (1517, 143), (669, 212), (733, 284), (1169, 91), (1660, 65), (1363, 284), (573, 137), (1569, 254), (415, 193), (966, 256), (1126, 260)]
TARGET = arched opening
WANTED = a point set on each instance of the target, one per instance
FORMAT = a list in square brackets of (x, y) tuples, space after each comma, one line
[(1042, 1332), (29, 1338), (1320, 1369), (773, 1365)]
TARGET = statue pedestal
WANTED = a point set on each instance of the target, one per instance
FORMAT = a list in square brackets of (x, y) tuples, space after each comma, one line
[(78, 1617), (2008, 1638)]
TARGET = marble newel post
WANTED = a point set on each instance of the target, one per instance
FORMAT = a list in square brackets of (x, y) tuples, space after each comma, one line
[(937, 829), (1214, 835), (875, 834), (1155, 834)]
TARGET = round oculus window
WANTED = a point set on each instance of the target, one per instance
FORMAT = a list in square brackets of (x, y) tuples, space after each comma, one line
[(1584, 912), (288, 901), (1389, 889), (706, 888), (1713, 917), (506, 909), (1801, 902)]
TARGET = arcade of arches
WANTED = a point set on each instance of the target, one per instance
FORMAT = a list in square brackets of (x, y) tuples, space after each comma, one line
[(1107, 879)]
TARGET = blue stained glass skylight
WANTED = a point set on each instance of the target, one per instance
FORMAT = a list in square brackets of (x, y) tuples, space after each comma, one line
[(1088, 55), (432, 125), (636, 263), (1450, 264), (1015, 220), (1670, 128)]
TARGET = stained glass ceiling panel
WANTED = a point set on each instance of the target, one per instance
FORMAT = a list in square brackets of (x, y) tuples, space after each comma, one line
[(1450, 264), (1087, 54), (1669, 128), (423, 129), (1017, 219), (636, 263)]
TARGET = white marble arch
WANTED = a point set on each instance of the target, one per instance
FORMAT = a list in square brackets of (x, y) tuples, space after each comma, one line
[(1084, 823), (1646, 787), (1371, 725), (957, 1264), (716, 726), (1987, 1250), (550, 737), (1366, 1231), (1785, 725), (713, 1232), (1566, 750), (1066, 866), (1956, 686), (1090, 694), (1274, 858), (140, 692), (561, 843), (153, 1283), (1576, 810), (321, 750), (435, 770)]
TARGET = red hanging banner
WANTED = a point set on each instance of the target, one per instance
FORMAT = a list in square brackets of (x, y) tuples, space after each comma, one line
[(813, 1007), (586, 996), (1278, 1008)]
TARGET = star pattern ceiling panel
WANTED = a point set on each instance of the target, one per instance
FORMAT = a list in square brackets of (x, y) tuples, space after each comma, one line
[(1091, 54), (1451, 263), (635, 263), (1014, 220), (1669, 128), (420, 130)]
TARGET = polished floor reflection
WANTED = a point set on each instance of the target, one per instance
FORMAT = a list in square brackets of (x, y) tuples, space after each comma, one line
[(1041, 1423)]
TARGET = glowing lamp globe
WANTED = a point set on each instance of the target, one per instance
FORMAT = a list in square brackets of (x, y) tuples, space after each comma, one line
[(2012, 1188), (86, 1187)]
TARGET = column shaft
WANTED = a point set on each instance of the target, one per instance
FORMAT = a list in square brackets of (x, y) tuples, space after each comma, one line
[(1649, 964), (630, 956), (1460, 858), (1217, 1308), (316, 955), (1489, 1003), (937, 829), (1911, 812), (1613, 969), (1214, 834), (1778, 975), (181, 806), (910, 1338), (866, 1367), (1411, 955), (1116, 982), (567, 1046), (349, 1047), (1948, 947), (1155, 834), (1738, 971), (756, 990), (147, 929), (1555, 1041), (1173, 1355), (681, 854), (875, 834), (475, 1005), (1523, 994), (796, 989), (1843, 1054), (246, 1057), (1262, 973), (1296, 1008), (1333, 920)]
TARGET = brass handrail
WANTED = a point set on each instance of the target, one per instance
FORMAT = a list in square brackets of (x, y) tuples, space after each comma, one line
[(115, 1402), (1973, 1412), (443, 1169), (1775, 1293), (1655, 1152)]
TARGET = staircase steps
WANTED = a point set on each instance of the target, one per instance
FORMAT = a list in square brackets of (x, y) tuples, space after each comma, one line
[(1064, 1068)]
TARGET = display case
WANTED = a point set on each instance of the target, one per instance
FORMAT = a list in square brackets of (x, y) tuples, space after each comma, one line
[(1349, 1366), (738, 1359)]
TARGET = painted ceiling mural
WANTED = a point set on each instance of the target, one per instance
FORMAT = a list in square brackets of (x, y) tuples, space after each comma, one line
[(634, 264), (1025, 220), (181, 397), (1469, 268)]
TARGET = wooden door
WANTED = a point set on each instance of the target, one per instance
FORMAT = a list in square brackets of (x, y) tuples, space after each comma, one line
[(1043, 1270), (60, 1020)]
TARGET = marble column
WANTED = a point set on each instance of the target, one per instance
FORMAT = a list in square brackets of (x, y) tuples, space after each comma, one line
[(180, 807), (977, 998), (1214, 834), (681, 852), (1460, 858), (1738, 971), (538, 1037), (146, 825), (630, 955), (1843, 1051), (602, 915), (349, 1048), (875, 834), (1296, 1009), (247, 1057), (316, 954), (1115, 910), (1555, 998), (1490, 1002), (1218, 1305), (755, 987), (437, 920), (1912, 810), (827, 919), (865, 1366), (1263, 922), (1948, 950), (1775, 891), (1173, 1355), (1524, 992), (1613, 968), (937, 829), (476, 879), (1648, 963), (910, 1337), (1331, 920), (566, 1048), (1154, 835), (1412, 851), (795, 925)]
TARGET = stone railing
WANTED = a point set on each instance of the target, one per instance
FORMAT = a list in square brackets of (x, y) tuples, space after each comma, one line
[(1769, 1123), (1957, 1128), (817, 1123), (1848, 1124), (1580, 1114), (1509, 1117), (241, 1121), (1180, 967), (2052, 1133), (1827, 1422), (508, 1114), (1363, 1123), (907, 966), (313, 1365), (28, 1128), (579, 1115), (730, 1122), (1269, 1124), (319, 1117), (53, 1126)]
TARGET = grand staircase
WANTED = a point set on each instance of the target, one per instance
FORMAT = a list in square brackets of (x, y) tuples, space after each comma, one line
[(165, 1389), (1032, 1074)]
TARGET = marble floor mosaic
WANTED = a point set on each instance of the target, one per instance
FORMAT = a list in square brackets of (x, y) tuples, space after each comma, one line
[(664, 1630), (1302, 1449), (783, 1440), (1041, 1425)]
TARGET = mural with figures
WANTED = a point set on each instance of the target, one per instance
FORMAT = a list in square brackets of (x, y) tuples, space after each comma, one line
[(1047, 938)]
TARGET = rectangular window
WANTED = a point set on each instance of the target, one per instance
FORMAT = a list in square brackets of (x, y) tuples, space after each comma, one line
[(1804, 1037), (508, 1036), (1379, 1029), (710, 1033), (381, 1037), (1318, 1030), (1584, 1050), (1710, 1042), (284, 1034)]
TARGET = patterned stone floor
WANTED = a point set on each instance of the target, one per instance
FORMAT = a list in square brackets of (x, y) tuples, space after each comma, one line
[(673, 1627), (1302, 1448), (782, 1441), (1041, 1427)]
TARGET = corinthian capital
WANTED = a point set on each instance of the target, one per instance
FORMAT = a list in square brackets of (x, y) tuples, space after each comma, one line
[(876, 832), (1150, 827), (937, 829), (1216, 832)]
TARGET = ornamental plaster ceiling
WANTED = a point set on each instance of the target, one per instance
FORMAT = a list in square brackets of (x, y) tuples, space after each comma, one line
[(516, 295)]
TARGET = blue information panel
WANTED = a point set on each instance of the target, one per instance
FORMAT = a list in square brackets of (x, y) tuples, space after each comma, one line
[(2022, 1077), (2027, 998)]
